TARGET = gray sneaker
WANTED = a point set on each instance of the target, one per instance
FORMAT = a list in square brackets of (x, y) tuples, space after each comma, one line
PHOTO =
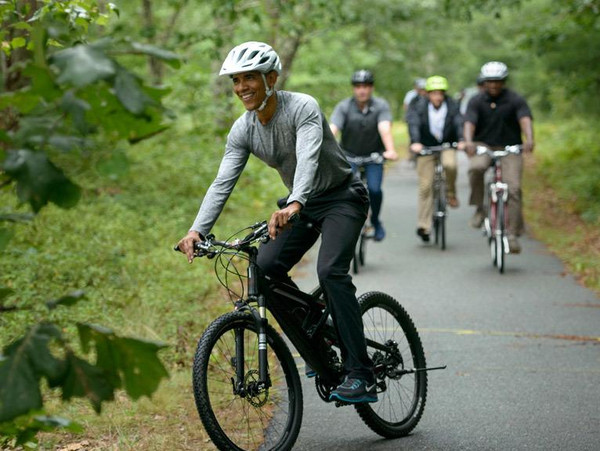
[(514, 245), (355, 391)]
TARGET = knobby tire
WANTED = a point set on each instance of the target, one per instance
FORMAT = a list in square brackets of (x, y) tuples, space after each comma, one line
[(268, 420), (401, 404)]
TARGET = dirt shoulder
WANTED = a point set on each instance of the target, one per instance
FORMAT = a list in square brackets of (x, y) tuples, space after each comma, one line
[(552, 220)]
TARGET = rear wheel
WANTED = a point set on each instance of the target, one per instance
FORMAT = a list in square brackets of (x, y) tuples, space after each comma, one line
[(244, 414), (402, 391)]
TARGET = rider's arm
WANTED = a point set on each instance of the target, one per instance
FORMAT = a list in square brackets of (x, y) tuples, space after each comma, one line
[(232, 165), (338, 117), (527, 129), (308, 122), (385, 131), (468, 132), (334, 129), (414, 129)]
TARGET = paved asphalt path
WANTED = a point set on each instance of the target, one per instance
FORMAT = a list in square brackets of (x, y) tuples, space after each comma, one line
[(522, 348)]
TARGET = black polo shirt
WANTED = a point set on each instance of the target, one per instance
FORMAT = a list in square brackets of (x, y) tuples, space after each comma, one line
[(360, 135), (496, 119)]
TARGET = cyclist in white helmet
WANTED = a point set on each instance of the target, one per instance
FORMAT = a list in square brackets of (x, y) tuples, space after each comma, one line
[(290, 133), (498, 117)]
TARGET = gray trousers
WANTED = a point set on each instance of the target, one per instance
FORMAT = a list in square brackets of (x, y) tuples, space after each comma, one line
[(512, 173)]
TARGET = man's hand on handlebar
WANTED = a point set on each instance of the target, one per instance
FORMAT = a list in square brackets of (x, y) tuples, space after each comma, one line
[(470, 148), (528, 147), (281, 218), (416, 147), (186, 244), (391, 155)]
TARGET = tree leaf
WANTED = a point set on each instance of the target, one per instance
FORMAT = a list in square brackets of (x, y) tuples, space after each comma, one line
[(171, 58), (68, 300), (84, 380), (77, 109), (82, 65), (22, 365), (39, 181), (109, 113), (142, 370), (129, 92), (132, 360)]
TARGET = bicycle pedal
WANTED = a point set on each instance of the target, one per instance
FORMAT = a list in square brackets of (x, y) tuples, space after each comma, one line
[(342, 403)]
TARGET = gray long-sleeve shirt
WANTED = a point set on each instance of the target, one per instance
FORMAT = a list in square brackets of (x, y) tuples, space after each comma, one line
[(296, 141)]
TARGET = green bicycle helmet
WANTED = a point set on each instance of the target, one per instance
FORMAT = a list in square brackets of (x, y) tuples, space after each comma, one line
[(436, 83)]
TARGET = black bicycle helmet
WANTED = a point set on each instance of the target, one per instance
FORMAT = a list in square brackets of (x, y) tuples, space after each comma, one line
[(363, 76)]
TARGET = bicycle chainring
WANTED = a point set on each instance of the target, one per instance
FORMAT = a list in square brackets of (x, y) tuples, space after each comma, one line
[(323, 389)]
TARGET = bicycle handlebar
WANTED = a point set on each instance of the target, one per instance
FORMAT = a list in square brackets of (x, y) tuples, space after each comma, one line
[(374, 157), (444, 146), (495, 154), (260, 232)]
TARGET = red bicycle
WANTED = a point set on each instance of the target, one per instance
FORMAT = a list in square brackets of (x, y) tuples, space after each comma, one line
[(496, 204)]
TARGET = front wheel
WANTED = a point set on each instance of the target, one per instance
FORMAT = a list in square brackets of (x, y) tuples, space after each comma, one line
[(242, 413), (500, 236), (400, 375)]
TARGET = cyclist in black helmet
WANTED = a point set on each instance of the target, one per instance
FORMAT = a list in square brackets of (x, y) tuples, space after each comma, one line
[(365, 122)]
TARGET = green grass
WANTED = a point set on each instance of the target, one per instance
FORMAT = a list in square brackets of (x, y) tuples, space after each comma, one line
[(562, 192), (116, 245)]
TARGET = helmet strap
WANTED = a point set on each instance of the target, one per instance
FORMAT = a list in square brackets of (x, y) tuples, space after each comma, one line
[(269, 92)]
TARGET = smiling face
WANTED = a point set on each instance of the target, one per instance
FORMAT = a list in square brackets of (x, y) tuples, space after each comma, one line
[(251, 89)]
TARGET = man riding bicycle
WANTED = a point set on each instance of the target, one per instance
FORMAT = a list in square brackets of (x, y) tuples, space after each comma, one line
[(366, 125), (432, 121), (289, 132), (498, 117)]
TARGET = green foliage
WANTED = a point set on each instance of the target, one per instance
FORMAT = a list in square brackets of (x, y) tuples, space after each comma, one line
[(570, 160), (120, 362), (69, 93)]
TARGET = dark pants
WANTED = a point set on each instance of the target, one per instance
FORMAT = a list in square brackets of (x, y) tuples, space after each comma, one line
[(374, 179), (339, 214)]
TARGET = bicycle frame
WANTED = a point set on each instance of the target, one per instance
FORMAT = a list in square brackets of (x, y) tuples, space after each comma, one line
[(439, 190), (497, 190)]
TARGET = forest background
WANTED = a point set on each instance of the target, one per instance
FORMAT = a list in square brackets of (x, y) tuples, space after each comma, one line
[(106, 239)]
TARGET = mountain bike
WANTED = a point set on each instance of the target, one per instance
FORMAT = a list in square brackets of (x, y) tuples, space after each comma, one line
[(246, 384), (496, 204), (439, 192), (367, 232)]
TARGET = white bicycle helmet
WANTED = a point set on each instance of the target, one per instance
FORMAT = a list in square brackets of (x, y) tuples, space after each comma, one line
[(253, 56), (494, 70), (249, 56)]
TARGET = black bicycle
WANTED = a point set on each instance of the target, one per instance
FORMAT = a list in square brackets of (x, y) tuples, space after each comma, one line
[(367, 232), (440, 212), (496, 204), (246, 383)]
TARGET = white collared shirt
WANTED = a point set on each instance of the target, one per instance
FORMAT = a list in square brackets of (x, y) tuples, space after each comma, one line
[(437, 118)]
